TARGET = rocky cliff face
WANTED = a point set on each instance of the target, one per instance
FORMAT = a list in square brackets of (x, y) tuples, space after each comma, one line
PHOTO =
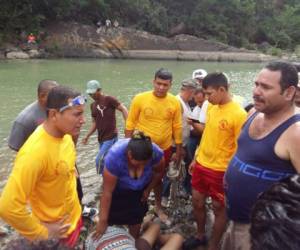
[(77, 40), (74, 40)]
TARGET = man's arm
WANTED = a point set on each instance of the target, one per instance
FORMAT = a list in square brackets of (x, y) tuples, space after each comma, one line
[(289, 147), (18, 136), (132, 118), (199, 127), (14, 198), (91, 131), (177, 132), (123, 110)]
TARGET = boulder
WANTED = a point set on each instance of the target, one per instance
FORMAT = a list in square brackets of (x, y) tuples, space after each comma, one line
[(17, 55)]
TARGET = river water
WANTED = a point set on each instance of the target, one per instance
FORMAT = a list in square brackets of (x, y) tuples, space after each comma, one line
[(120, 78)]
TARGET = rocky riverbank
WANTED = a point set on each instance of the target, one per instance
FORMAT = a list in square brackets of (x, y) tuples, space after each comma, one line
[(73, 40)]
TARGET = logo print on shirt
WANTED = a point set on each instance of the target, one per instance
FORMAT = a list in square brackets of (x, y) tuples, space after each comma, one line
[(223, 124), (101, 109), (148, 112)]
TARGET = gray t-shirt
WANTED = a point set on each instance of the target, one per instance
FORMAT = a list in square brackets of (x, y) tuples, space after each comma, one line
[(25, 123)]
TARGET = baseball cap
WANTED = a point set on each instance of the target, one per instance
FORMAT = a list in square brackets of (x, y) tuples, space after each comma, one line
[(92, 86), (189, 83), (199, 73)]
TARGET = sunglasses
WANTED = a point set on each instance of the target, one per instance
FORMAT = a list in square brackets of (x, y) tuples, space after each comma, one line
[(77, 101)]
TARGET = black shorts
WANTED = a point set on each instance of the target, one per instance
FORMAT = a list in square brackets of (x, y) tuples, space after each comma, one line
[(126, 208)]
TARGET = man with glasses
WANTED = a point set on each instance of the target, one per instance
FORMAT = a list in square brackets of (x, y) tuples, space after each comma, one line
[(44, 174), (29, 119), (103, 111)]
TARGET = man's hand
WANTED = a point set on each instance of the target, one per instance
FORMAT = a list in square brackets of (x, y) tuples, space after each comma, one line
[(177, 156), (191, 167), (100, 229), (84, 140), (57, 229), (189, 121)]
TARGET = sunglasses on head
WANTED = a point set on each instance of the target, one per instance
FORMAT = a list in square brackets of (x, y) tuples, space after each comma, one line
[(77, 101)]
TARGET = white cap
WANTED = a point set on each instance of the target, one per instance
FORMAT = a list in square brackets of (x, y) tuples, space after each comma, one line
[(199, 74)]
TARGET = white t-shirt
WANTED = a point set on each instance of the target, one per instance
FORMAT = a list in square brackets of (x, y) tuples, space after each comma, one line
[(186, 128)]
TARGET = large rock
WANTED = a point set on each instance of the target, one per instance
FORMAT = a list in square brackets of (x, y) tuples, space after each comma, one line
[(77, 40), (17, 55)]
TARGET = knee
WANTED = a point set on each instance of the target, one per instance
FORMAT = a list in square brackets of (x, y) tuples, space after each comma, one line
[(218, 208), (198, 202)]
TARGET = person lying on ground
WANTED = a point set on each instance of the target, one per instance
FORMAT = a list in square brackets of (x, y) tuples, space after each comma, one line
[(118, 237)]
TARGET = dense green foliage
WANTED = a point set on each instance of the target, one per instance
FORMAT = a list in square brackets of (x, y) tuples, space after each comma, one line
[(236, 22)]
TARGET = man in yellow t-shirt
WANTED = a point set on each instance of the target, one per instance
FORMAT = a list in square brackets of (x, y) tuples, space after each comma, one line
[(44, 175), (224, 120), (158, 114)]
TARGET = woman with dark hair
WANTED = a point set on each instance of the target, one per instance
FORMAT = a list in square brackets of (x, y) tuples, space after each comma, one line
[(132, 168)]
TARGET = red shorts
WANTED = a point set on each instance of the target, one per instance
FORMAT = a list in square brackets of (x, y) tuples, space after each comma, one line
[(209, 182), (167, 155), (72, 239)]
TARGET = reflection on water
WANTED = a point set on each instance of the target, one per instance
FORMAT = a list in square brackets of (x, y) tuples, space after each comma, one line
[(120, 78)]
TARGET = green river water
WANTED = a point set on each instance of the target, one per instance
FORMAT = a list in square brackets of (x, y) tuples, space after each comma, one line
[(120, 78)]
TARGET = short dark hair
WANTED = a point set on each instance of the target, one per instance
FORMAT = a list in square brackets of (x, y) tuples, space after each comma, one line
[(275, 218), (199, 90), (46, 85), (58, 97), (215, 80), (163, 74), (289, 74), (140, 146)]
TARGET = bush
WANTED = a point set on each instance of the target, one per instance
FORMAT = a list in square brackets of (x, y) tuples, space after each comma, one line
[(297, 50), (274, 51)]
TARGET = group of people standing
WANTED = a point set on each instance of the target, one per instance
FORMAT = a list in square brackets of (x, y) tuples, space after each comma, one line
[(231, 156)]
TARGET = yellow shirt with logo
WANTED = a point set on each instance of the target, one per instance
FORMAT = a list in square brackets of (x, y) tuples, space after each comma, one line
[(44, 177), (159, 118), (219, 138)]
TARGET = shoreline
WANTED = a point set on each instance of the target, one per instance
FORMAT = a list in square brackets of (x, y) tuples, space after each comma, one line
[(179, 55)]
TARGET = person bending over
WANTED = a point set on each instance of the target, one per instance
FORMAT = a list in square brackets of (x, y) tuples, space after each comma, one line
[(132, 168)]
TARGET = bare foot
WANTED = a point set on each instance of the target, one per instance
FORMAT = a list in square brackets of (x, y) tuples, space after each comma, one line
[(162, 216)]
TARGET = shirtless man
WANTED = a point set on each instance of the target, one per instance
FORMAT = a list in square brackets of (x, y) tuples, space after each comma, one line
[(268, 149)]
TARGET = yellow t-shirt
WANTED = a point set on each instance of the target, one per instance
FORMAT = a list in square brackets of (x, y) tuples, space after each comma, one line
[(43, 176), (159, 118), (219, 138)]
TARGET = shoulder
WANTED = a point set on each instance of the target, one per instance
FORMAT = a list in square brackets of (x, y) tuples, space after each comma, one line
[(119, 148), (173, 99), (28, 114), (294, 131), (157, 149), (237, 110), (111, 98)]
